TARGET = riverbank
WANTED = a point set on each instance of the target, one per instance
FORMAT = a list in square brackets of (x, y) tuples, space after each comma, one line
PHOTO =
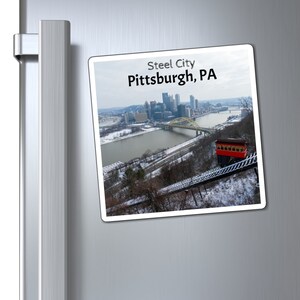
[(124, 134), (125, 148)]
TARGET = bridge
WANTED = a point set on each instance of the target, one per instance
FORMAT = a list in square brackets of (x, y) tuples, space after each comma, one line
[(186, 123), (195, 181)]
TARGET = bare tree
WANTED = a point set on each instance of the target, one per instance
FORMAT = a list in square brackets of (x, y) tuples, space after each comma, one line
[(246, 103)]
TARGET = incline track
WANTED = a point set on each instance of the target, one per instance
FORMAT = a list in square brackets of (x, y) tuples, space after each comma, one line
[(209, 176), (215, 174)]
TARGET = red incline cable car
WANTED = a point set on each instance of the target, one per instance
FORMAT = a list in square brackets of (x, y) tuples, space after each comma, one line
[(230, 150)]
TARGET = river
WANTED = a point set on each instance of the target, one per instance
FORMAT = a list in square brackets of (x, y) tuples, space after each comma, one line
[(127, 149)]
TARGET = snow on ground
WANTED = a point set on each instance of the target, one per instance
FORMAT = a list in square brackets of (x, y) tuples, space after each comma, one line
[(231, 191), (182, 145), (124, 134), (109, 121), (176, 161), (111, 167), (114, 135)]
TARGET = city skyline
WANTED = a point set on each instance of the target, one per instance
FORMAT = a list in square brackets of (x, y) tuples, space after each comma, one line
[(231, 67), (169, 108), (185, 102)]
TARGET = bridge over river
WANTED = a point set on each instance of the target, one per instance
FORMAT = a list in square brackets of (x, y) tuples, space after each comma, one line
[(186, 123)]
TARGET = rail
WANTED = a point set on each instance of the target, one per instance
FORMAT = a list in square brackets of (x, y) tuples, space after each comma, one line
[(247, 163), (209, 176)]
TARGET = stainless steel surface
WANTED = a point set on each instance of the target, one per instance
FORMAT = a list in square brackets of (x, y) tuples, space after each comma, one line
[(29, 179), (243, 255), (54, 42), (25, 44)]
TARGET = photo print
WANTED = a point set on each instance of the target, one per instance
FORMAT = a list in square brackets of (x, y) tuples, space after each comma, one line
[(177, 132)]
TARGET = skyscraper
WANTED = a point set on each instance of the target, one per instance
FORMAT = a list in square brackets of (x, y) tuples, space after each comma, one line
[(196, 104), (188, 112), (173, 106), (181, 110), (147, 109), (192, 102), (152, 108), (177, 99), (166, 100)]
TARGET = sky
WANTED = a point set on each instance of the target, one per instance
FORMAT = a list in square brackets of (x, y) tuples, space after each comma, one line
[(230, 65)]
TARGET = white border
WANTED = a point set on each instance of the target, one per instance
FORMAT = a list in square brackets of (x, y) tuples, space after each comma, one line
[(92, 76)]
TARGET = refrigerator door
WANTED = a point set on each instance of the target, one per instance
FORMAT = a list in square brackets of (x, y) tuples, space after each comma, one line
[(242, 255)]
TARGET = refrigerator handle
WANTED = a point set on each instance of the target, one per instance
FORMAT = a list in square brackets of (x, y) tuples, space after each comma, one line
[(53, 46)]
